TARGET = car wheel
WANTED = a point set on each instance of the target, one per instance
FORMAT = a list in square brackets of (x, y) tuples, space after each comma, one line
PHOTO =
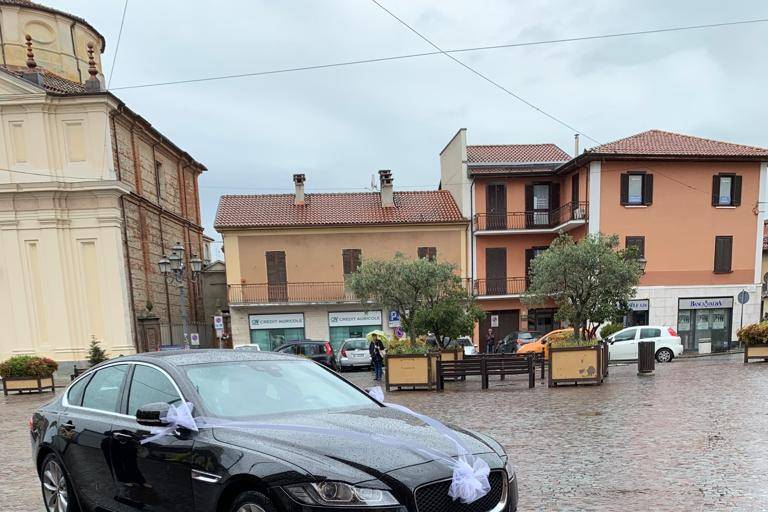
[(252, 501), (664, 355), (57, 494)]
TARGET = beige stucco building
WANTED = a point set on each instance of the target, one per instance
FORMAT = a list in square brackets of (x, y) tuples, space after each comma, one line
[(91, 196), (288, 256)]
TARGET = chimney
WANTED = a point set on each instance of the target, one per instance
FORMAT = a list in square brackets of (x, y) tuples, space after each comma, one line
[(93, 84), (576, 144), (387, 194), (298, 181), (32, 74)]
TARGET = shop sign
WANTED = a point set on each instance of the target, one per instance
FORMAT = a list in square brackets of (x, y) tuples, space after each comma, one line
[(723, 302), (353, 318), (639, 304), (281, 321), (494, 320)]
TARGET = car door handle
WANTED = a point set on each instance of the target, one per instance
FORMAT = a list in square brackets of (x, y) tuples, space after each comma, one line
[(67, 426), (121, 436)]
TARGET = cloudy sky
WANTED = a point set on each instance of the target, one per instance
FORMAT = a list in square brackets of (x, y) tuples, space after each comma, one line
[(340, 125)]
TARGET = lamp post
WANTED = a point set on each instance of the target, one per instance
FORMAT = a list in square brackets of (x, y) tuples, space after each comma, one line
[(175, 272)]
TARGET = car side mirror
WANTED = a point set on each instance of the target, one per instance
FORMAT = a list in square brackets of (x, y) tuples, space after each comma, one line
[(153, 415)]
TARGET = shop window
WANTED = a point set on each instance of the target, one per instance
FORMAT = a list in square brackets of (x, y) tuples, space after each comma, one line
[(723, 254), (429, 253), (636, 189), (726, 190)]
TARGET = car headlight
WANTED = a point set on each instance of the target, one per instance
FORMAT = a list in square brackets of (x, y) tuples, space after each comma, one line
[(340, 494), (510, 470)]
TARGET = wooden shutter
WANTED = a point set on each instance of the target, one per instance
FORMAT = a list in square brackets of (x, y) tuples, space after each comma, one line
[(624, 197), (554, 196), (529, 255), (648, 189), (496, 270), (723, 254), (736, 191), (528, 205), (276, 273), (716, 190), (429, 253), (351, 260), (575, 190)]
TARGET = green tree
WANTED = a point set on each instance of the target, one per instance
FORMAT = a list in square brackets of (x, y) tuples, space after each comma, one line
[(428, 294), (96, 354), (590, 281)]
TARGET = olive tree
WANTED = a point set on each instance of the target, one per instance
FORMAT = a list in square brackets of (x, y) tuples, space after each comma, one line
[(590, 281)]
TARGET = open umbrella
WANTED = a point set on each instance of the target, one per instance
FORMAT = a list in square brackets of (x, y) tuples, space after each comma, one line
[(383, 337)]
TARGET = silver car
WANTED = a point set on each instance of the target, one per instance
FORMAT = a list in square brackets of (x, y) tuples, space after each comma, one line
[(354, 353)]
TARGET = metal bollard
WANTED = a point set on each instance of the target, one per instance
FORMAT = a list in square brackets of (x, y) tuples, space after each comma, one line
[(646, 357)]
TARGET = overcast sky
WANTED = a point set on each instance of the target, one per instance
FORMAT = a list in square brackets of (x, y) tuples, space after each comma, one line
[(340, 125)]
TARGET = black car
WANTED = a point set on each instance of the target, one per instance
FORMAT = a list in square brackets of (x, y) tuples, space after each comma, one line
[(317, 350), (87, 444)]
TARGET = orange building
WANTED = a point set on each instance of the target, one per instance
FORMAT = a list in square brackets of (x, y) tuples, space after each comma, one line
[(694, 208)]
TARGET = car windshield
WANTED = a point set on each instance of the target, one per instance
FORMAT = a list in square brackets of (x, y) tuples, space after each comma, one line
[(356, 345), (525, 336), (243, 389)]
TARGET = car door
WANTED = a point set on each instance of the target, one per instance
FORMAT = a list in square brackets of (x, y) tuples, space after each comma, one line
[(651, 334), (624, 344), (156, 475), (84, 434)]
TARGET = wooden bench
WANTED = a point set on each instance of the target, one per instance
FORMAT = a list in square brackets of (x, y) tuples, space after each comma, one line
[(485, 366)]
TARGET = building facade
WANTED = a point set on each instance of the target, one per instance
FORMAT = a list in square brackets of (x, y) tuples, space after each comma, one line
[(694, 208), (289, 257), (91, 197)]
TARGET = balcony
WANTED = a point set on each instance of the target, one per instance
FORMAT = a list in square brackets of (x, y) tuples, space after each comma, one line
[(559, 220), (496, 288), (290, 293)]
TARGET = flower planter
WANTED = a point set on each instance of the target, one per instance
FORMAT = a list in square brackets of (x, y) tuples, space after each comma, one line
[(451, 355), (577, 365), (411, 371), (20, 384), (755, 351)]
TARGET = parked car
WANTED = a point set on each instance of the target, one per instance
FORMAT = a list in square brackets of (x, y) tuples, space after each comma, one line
[(354, 353), (317, 350), (252, 346), (465, 343), (514, 340), (541, 345), (622, 345), (93, 451)]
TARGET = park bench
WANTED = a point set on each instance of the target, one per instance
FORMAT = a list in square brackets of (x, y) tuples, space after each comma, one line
[(485, 366)]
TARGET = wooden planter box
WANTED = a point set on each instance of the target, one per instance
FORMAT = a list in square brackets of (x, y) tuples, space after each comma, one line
[(577, 365), (451, 355), (20, 384), (411, 371), (755, 352)]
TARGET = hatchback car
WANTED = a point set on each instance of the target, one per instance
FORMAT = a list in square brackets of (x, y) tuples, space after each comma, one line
[(465, 343), (319, 351), (94, 452), (623, 344), (541, 345), (354, 353)]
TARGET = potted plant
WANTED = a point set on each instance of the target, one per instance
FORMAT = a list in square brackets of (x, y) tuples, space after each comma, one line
[(28, 373), (755, 340), (410, 364)]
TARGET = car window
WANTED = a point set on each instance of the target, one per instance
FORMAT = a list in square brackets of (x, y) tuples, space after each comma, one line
[(149, 385), (75, 393), (356, 345), (242, 389), (312, 349), (650, 332), (290, 349), (627, 335), (104, 390)]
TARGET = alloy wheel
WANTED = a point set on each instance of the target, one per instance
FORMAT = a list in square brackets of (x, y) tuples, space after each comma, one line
[(664, 356), (250, 507), (55, 491)]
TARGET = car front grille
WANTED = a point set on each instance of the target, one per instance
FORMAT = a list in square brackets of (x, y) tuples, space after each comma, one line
[(434, 497)]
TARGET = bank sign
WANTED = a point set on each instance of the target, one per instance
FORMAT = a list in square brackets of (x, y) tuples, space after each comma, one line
[(353, 318), (723, 302), (639, 304), (284, 321)]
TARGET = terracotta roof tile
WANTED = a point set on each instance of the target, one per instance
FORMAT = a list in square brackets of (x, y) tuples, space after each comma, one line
[(661, 143), (516, 153), (510, 170), (342, 209), (51, 82)]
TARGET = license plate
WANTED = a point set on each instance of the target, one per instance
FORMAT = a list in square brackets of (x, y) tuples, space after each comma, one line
[(358, 355)]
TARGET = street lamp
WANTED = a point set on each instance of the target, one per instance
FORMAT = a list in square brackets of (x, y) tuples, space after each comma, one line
[(175, 272)]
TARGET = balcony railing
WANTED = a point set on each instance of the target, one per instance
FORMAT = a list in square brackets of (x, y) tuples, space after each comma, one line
[(290, 293), (507, 286), (532, 219)]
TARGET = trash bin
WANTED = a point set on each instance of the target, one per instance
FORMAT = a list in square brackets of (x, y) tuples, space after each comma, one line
[(646, 357)]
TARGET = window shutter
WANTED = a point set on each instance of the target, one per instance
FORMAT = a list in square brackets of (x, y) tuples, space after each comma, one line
[(529, 197), (736, 192), (421, 252), (575, 190), (723, 253), (648, 189), (554, 196), (432, 253), (624, 189), (715, 190), (351, 260)]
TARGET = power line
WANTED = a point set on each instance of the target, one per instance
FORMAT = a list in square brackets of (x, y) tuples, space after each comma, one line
[(484, 77), (428, 54), (117, 45)]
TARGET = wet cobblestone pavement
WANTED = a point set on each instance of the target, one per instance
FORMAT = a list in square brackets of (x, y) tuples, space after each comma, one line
[(694, 437)]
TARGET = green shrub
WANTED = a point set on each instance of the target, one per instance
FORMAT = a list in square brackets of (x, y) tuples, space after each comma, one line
[(96, 354), (405, 347), (28, 366), (610, 328), (754, 334)]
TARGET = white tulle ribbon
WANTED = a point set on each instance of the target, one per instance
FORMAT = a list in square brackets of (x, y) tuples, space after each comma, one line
[(470, 474)]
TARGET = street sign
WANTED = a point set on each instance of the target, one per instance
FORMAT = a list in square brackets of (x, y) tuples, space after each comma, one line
[(399, 332), (219, 333), (194, 339), (743, 297), (494, 320), (218, 322), (394, 319)]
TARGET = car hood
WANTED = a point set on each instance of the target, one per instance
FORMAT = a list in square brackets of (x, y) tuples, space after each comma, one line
[(345, 457)]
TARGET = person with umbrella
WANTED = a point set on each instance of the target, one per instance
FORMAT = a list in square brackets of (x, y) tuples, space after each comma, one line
[(376, 349)]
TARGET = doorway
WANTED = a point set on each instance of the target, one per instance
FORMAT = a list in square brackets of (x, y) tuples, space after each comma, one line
[(496, 206), (495, 271)]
